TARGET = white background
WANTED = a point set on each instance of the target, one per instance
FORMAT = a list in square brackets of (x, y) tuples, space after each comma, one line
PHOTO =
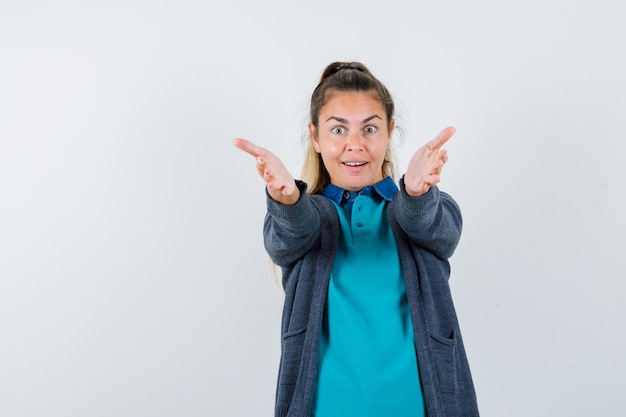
[(133, 279)]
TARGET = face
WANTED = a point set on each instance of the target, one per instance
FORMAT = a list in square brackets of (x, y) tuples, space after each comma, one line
[(352, 137)]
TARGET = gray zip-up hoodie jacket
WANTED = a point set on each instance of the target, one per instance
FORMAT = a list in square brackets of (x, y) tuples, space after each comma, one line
[(302, 239)]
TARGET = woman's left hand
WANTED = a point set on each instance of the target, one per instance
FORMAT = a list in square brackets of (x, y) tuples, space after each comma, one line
[(425, 166)]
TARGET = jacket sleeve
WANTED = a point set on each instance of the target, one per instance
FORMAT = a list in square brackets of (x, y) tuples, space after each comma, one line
[(289, 231), (432, 221)]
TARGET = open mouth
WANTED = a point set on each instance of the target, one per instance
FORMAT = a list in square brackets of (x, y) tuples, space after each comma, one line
[(354, 164)]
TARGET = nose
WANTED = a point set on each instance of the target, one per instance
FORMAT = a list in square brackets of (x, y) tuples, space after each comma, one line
[(354, 142)]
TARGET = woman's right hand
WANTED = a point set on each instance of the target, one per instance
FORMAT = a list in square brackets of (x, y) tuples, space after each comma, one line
[(280, 183)]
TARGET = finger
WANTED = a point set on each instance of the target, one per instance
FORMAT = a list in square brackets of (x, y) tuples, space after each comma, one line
[(288, 189), (276, 184), (248, 147), (268, 173), (441, 157), (433, 179), (441, 138)]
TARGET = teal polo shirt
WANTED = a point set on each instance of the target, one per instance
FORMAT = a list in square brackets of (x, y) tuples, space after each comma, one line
[(367, 360)]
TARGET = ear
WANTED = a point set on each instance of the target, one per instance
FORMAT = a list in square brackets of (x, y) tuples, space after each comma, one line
[(392, 124), (314, 138)]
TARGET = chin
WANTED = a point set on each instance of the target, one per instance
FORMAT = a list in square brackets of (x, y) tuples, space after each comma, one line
[(356, 186)]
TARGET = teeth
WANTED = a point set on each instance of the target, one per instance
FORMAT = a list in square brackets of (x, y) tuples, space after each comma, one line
[(354, 164)]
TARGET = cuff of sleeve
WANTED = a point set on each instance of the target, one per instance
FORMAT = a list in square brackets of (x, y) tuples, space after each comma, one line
[(421, 204), (289, 211)]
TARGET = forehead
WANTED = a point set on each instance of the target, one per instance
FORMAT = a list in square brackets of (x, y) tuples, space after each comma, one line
[(353, 102)]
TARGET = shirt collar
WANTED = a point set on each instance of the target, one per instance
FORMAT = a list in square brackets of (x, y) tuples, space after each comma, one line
[(386, 189)]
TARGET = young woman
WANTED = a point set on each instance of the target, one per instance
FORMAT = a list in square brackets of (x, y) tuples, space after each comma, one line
[(369, 327)]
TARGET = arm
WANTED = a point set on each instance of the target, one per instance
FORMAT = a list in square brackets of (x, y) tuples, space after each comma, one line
[(289, 231), (431, 218)]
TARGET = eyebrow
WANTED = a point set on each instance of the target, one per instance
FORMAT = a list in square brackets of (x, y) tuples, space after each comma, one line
[(342, 120)]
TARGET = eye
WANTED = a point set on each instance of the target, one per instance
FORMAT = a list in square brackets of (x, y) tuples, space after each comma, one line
[(370, 129), (338, 130)]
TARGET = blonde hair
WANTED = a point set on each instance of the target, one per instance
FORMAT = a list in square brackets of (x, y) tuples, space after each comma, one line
[(336, 77)]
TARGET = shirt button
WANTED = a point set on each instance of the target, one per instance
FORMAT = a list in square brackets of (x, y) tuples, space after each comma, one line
[(346, 195), (359, 224)]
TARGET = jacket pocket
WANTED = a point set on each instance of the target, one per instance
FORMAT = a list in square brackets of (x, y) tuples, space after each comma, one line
[(445, 357)]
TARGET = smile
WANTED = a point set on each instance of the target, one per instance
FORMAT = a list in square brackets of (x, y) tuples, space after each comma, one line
[(354, 164)]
